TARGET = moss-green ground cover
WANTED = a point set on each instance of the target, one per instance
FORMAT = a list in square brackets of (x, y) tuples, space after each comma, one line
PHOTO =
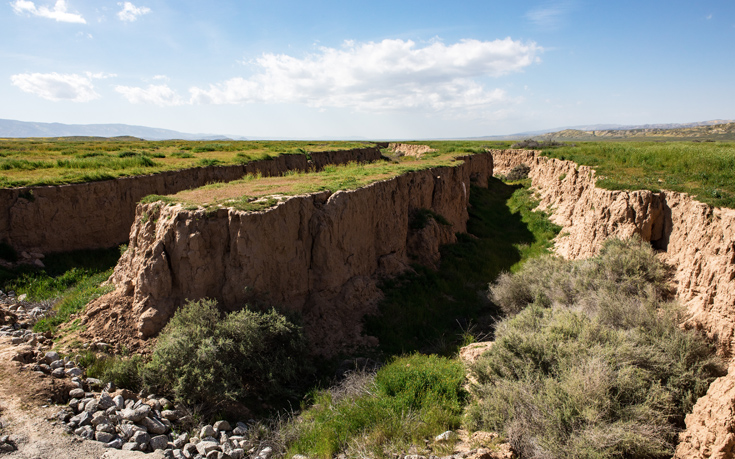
[(28, 162)]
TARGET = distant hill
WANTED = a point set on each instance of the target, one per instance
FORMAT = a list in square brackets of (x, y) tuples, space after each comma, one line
[(618, 131), (723, 131), (14, 129)]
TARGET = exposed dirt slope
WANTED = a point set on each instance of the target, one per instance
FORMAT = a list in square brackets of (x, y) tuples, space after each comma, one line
[(320, 255), (99, 214), (697, 240)]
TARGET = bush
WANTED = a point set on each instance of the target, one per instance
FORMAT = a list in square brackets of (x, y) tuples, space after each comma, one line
[(623, 267), (597, 366), (411, 399), (202, 356), (518, 172), (124, 372)]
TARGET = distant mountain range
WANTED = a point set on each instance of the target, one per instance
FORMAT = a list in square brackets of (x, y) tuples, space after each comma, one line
[(713, 129), (617, 131), (13, 128)]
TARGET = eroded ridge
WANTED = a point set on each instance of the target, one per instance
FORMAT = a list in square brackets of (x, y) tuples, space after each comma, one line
[(696, 239), (320, 255), (92, 215)]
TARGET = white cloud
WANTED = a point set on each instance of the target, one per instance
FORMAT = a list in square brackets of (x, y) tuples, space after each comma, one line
[(55, 86), (388, 75), (59, 12), (131, 12), (551, 16), (160, 95)]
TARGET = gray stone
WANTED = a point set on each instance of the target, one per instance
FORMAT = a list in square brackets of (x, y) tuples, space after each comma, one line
[(181, 440), (104, 437), (189, 450), (81, 419), (63, 416), (94, 382), (171, 415), (128, 430), (76, 393), (238, 453), (214, 455), (92, 406), (221, 426), (85, 432), (116, 443), (74, 372), (153, 425), (240, 429), (205, 447), (100, 417), (141, 438), (207, 431), (51, 356), (266, 452), (109, 428), (119, 401), (56, 364), (105, 401), (59, 373), (178, 454), (137, 414), (158, 442)]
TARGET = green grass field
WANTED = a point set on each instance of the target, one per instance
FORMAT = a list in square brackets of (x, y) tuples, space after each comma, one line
[(29, 162), (704, 169)]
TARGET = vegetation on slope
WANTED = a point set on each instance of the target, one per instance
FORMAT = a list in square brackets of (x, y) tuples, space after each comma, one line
[(591, 361), (438, 311), (69, 280), (705, 170)]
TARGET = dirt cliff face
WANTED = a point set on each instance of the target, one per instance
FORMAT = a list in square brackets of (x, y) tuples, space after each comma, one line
[(697, 240), (320, 255), (99, 214), (408, 149)]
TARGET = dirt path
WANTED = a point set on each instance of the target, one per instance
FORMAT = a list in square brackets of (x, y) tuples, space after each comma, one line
[(27, 415)]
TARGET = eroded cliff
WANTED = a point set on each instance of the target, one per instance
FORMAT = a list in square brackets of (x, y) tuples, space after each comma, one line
[(320, 255), (697, 240), (99, 214)]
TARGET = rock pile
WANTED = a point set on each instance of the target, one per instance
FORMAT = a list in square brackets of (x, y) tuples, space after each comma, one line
[(124, 420)]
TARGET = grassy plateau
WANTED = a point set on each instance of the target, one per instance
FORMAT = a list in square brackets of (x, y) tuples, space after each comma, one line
[(29, 162)]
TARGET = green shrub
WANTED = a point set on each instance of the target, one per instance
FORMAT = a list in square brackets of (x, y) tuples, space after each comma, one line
[(597, 366), (518, 172), (413, 398), (202, 356), (622, 267), (124, 372)]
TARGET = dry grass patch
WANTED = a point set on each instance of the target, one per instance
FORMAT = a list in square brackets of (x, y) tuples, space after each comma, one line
[(333, 178)]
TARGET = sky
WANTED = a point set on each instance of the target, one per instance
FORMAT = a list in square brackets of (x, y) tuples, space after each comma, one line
[(398, 69)]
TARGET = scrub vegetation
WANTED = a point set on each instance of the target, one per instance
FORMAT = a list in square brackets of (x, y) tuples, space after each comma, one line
[(590, 361)]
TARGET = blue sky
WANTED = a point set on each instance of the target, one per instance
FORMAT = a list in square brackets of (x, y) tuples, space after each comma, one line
[(380, 69)]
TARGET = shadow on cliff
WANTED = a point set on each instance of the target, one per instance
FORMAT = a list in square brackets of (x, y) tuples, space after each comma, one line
[(434, 311)]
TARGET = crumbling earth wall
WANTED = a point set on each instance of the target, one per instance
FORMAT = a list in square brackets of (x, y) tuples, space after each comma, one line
[(94, 215), (320, 255), (697, 240)]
